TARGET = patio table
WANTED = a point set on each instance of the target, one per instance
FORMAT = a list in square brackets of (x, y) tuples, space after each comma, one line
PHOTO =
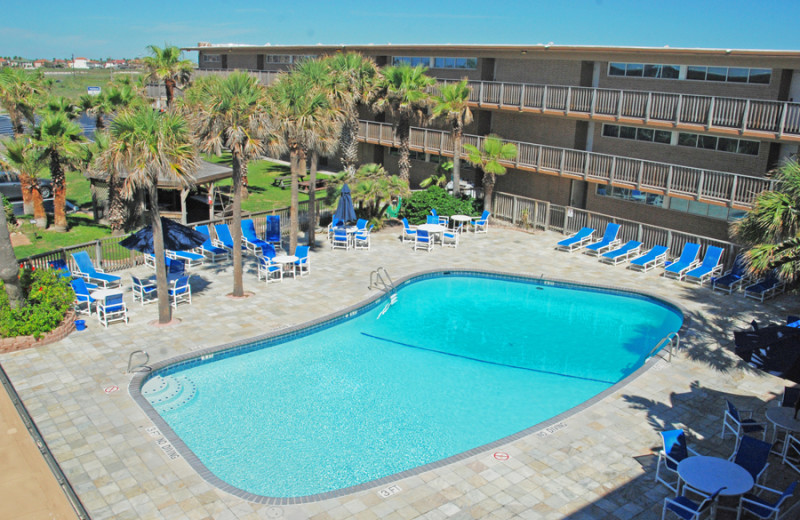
[(782, 418), (433, 229), (708, 474)]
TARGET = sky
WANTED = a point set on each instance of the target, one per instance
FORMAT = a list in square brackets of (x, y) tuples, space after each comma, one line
[(114, 29)]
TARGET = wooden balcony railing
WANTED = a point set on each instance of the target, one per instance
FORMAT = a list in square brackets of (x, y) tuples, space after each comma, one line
[(709, 186)]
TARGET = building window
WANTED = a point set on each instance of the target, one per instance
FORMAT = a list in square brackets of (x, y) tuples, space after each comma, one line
[(283, 59), (211, 58), (692, 72), (671, 203), (706, 142), (638, 134), (442, 62)]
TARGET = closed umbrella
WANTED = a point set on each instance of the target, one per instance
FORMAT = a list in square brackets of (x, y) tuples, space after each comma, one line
[(177, 237), (345, 211)]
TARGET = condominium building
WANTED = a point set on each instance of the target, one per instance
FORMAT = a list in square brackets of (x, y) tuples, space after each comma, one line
[(682, 138)]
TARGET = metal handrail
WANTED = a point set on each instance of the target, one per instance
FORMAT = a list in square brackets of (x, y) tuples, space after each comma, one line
[(375, 277), (141, 367), (667, 339)]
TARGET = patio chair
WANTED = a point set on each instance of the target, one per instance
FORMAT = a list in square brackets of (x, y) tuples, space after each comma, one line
[(450, 238), (408, 233), (144, 290), (190, 259), (111, 308), (656, 256), (361, 224), (765, 289), (741, 422), (303, 263), (688, 509), (790, 395), (576, 241), (250, 238), (269, 270), (273, 235), (674, 451), (83, 299), (208, 249), (432, 219), (340, 240), (622, 253), (361, 238), (481, 225), (791, 453), (224, 238), (711, 265), (423, 240), (333, 225), (762, 508), (752, 455), (149, 260), (686, 262), (609, 241), (733, 279), (180, 291), (440, 219), (87, 271)]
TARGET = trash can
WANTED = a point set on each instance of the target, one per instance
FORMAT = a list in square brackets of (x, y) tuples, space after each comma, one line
[(80, 325)]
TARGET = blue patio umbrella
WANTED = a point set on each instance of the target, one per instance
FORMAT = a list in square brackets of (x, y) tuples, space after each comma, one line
[(345, 211), (177, 237)]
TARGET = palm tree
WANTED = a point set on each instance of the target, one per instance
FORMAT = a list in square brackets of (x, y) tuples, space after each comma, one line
[(98, 106), (21, 156), (374, 189), (149, 145), (97, 162), (9, 270), (404, 94), (771, 230), (353, 84), (61, 105), (165, 65), (452, 104), (59, 141), (298, 110), (490, 159), (19, 93), (231, 114)]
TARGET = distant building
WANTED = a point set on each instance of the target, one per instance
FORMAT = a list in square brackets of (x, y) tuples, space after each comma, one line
[(80, 63), (39, 63)]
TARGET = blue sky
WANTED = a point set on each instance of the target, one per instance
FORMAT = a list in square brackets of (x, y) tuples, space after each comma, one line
[(48, 28)]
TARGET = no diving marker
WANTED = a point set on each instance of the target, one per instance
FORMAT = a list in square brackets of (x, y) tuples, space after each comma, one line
[(110, 389), (501, 455)]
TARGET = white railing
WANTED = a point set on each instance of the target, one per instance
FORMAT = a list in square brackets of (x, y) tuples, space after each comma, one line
[(673, 180)]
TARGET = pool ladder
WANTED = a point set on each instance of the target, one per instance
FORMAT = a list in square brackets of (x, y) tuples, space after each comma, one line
[(141, 367), (380, 279), (672, 339)]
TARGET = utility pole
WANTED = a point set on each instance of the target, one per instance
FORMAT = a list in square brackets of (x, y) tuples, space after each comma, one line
[(73, 63)]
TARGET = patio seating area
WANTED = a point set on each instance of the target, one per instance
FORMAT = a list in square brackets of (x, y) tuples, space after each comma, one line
[(597, 461)]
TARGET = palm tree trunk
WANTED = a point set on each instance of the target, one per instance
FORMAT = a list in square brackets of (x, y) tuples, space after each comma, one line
[(488, 190), (403, 134), (169, 86), (98, 122), (16, 123), (457, 137), (59, 194), (164, 308), (295, 155), (39, 214), (9, 269), (349, 143), (312, 199), (117, 211), (27, 184), (236, 232)]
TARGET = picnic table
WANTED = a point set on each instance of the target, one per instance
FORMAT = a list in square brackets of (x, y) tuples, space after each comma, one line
[(306, 185), (284, 181)]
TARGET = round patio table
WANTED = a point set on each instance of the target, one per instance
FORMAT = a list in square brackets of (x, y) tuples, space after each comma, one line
[(782, 418), (286, 261), (433, 229), (708, 474), (460, 218)]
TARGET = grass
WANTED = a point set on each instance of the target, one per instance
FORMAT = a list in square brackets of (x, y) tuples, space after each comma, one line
[(73, 85), (81, 229)]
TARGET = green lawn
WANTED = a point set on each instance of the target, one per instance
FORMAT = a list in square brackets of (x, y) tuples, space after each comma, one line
[(72, 85)]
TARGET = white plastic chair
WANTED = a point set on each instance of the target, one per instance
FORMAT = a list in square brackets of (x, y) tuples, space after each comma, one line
[(740, 422), (111, 308)]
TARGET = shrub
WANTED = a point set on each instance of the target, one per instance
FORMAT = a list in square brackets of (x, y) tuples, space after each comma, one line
[(48, 297), (9, 209), (419, 205)]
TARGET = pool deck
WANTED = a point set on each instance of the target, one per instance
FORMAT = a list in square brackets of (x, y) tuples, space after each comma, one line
[(596, 463)]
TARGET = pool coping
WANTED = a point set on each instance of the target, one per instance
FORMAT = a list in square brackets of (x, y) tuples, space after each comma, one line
[(139, 378)]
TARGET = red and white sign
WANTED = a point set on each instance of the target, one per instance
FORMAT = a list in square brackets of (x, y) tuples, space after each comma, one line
[(501, 455), (110, 389)]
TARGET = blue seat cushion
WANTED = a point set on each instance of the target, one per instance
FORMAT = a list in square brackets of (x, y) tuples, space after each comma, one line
[(683, 513)]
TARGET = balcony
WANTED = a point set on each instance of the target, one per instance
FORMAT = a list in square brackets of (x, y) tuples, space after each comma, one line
[(712, 187), (771, 120)]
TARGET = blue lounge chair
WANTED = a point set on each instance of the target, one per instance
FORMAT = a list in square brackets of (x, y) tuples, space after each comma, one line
[(576, 241), (674, 451), (655, 257), (408, 233), (273, 235), (303, 264), (83, 299), (189, 258), (481, 225), (87, 271), (250, 238), (686, 262), (621, 254), (224, 238), (423, 240), (180, 291), (208, 249), (770, 286), (733, 279), (609, 241), (711, 265)]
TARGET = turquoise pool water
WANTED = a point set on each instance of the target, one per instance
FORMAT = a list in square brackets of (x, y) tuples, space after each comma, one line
[(458, 362)]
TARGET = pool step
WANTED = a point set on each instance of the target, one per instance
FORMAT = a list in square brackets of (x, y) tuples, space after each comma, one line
[(169, 392)]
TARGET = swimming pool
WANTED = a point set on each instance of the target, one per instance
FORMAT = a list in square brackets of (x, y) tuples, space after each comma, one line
[(462, 360)]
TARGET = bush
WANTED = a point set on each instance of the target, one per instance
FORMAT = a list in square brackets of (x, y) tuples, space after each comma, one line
[(49, 297), (419, 205), (10, 218)]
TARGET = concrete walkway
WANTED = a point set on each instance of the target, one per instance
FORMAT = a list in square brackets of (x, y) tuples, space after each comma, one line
[(596, 463)]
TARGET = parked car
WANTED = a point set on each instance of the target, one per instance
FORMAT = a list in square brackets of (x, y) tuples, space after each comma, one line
[(12, 190)]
